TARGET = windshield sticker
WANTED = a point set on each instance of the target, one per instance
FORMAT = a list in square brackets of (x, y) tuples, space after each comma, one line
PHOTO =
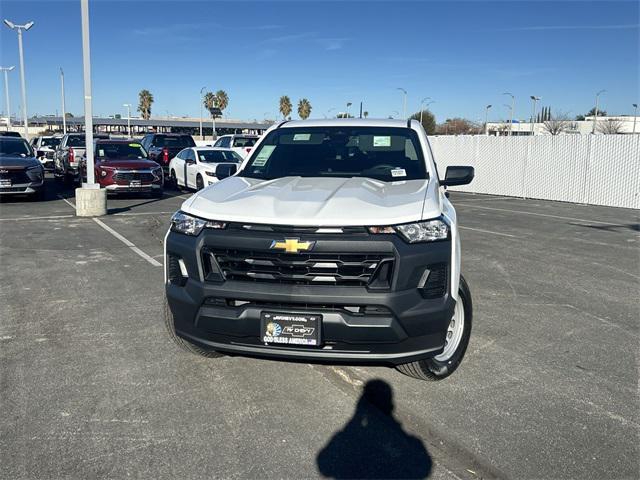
[(263, 156), (398, 172), (101, 153), (301, 137), (381, 141)]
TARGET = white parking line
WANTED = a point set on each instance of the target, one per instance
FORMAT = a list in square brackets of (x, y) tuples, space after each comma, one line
[(129, 244), (542, 215), (50, 217), (489, 231)]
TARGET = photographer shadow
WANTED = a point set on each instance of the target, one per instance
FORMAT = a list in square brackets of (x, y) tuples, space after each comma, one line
[(373, 444)]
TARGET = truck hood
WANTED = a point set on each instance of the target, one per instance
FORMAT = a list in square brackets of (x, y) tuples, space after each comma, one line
[(16, 161), (323, 201)]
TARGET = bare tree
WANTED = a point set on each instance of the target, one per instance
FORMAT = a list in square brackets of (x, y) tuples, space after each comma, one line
[(557, 124), (609, 126)]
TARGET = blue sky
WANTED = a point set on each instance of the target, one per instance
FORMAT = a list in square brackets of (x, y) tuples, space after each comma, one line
[(461, 54)]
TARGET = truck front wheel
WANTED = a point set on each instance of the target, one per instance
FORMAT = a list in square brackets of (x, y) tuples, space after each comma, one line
[(457, 339), (181, 342)]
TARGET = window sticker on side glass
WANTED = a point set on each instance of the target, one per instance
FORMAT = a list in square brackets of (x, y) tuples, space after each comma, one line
[(263, 156), (134, 144), (101, 153), (381, 141), (398, 172), (301, 137)]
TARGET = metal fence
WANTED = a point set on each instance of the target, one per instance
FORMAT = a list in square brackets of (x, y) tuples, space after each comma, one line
[(592, 169)]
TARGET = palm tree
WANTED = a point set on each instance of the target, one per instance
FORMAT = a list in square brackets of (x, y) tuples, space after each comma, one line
[(285, 106), (145, 100), (221, 100), (304, 108), (209, 102), (365, 114)]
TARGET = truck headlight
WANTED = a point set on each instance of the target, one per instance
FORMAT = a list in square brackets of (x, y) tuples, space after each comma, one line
[(188, 225), (418, 232)]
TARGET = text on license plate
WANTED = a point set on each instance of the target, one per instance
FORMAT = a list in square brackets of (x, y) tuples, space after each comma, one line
[(290, 328)]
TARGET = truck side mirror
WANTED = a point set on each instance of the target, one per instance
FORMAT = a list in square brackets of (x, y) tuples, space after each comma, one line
[(224, 170), (457, 175)]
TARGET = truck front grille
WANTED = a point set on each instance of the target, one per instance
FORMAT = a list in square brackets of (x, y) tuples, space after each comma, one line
[(345, 269), (143, 177)]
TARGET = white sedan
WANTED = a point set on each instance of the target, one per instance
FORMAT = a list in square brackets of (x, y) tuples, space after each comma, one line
[(195, 167)]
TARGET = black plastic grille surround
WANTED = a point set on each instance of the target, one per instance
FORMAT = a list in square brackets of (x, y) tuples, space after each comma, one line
[(436, 282), (315, 268)]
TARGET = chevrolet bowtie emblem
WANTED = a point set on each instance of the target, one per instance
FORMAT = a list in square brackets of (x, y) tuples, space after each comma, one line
[(292, 245)]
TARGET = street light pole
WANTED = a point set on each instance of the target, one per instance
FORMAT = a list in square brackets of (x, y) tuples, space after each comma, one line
[(201, 104), (533, 117), (404, 102), (635, 116), (348, 105), (422, 107), (595, 117), (64, 115), (128, 105), (7, 101), (88, 107), (486, 119), (513, 106), (20, 29)]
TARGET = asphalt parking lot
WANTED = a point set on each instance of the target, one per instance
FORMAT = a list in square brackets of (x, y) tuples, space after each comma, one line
[(91, 386)]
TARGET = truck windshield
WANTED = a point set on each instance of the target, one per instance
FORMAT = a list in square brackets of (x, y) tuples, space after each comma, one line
[(76, 141), (384, 153), (50, 142)]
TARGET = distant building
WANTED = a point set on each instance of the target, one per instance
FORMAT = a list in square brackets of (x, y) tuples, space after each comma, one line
[(624, 124), (140, 126)]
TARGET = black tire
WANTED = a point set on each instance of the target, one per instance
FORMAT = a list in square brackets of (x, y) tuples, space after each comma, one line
[(199, 183), (181, 342), (432, 369), (174, 180)]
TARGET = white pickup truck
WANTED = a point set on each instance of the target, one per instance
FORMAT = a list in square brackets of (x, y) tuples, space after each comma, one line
[(333, 242)]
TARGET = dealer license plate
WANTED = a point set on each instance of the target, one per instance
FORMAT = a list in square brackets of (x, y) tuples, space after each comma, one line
[(5, 182), (290, 329), (135, 183)]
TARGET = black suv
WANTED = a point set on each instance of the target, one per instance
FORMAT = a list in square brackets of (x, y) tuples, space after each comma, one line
[(162, 147)]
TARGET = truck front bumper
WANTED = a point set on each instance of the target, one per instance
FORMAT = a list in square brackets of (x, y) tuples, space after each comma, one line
[(359, 325)]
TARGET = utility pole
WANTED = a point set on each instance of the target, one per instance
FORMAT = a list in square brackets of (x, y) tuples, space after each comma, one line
[(595, 117), (513, 106), (486, 119), (88, 106), (360, 109), (404, 102), (201, 105), (64, 112), (7, 101), (128, 105), (20, 29), (534, 99), (635, 116)]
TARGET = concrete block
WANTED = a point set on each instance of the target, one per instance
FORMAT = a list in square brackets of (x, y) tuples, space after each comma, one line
[(91, 201)]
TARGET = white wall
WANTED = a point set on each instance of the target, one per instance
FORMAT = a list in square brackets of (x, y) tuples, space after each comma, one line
[(592, 169)]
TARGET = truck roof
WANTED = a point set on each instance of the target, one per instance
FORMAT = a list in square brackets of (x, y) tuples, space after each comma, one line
[(342, 122)]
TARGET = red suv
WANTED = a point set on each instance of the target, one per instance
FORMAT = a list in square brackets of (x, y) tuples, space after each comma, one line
[(124, 166)]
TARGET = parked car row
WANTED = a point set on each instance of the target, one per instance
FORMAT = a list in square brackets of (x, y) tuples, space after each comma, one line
[(124, 165)]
